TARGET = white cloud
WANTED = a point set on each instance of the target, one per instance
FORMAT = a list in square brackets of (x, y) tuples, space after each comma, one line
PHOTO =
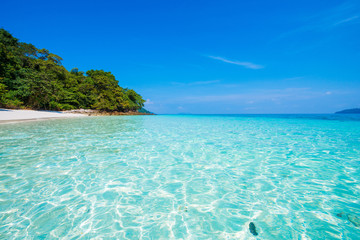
[(243, 64)]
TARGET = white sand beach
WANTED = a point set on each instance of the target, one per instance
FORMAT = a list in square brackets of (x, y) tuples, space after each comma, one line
[(10, 115)]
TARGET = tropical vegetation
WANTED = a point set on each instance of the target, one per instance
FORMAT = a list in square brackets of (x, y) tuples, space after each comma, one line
[(35, 78)]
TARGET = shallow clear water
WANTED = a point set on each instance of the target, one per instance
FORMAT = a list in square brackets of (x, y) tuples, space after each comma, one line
[(181, 177)]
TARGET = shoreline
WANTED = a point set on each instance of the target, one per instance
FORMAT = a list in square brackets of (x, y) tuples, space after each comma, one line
[(19, 115), (90, 112)]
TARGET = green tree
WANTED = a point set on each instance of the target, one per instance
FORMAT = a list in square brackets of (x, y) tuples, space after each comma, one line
[(35, 78)]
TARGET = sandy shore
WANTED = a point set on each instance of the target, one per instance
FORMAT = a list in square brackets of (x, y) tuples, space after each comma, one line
[(9, 115)]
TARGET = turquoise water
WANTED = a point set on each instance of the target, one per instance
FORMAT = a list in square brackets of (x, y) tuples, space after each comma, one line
[(181, 177)]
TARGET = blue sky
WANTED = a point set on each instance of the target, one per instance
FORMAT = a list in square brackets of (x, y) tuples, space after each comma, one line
[(207, 56)]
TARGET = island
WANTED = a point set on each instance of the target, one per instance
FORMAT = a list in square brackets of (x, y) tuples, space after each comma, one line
[(349, 111), (35, 79)]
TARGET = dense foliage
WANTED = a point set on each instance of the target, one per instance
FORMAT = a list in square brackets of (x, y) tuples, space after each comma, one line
[(34, 78)]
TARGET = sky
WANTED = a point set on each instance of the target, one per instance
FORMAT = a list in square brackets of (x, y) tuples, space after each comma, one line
[(207, 57)]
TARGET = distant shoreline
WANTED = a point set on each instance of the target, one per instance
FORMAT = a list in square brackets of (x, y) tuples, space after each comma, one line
[(349, 111)]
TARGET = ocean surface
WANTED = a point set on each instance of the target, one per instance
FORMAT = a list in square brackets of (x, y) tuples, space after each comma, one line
[(181, 177)]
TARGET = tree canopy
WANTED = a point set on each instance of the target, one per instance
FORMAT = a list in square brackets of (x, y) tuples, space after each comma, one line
[(35, 78)]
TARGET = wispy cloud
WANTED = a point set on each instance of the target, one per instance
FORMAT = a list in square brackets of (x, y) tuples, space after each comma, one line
[(346, 20), (204, 82), (293, 78), (260, 95), (327, 19), (243, 64), (148, 102), (196, 83), (332, 17)]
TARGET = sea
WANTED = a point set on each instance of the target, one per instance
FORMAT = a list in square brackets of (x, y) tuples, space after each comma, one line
[(181, 177)]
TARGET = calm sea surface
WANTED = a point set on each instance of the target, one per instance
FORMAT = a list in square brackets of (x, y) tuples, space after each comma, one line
[(181, 177)]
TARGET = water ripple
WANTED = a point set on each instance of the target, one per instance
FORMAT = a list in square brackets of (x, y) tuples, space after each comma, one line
[(180, 177)]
